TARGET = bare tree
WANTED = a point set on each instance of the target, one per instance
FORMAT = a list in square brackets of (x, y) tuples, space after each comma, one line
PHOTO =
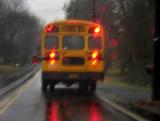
[(18, 32), (130, 22)]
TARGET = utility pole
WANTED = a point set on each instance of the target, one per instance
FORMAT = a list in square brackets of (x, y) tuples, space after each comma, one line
[(94, 11), (156, 80)]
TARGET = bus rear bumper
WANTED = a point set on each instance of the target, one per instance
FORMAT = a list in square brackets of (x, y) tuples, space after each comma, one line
[(73, 76)]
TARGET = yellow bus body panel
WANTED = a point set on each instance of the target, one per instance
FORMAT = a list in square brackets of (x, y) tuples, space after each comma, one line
[(87, 66)]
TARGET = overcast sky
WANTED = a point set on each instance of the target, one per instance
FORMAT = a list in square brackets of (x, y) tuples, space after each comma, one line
[(48, 10)]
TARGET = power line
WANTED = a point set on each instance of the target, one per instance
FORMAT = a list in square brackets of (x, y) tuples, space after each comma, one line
[(11, 19), (44, 11), (54, 14), (49, 9), (50, 13)]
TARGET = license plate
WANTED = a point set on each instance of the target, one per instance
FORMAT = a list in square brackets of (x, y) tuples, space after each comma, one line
[(73, 76)]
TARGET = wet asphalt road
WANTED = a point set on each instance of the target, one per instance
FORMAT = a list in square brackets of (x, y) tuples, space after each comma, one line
[(62, 105)]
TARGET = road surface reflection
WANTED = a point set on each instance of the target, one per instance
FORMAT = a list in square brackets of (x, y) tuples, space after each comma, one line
[(69, 105)]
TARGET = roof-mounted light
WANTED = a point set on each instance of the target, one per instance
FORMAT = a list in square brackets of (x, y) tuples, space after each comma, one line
[(51, 28), (94, 30), (97, 30)]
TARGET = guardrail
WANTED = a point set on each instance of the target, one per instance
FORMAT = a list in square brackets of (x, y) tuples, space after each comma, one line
[(7, 78), (16, 83)]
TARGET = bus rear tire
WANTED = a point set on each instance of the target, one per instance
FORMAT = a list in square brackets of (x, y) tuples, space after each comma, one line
[(83, 87), (92, 87), (52, 87), (44, 85)]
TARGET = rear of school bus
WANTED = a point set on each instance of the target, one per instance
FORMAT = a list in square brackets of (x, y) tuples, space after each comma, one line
[(72, 52)]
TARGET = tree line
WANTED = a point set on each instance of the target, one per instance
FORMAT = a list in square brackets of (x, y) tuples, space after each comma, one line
[(131, 24), (19, 32)]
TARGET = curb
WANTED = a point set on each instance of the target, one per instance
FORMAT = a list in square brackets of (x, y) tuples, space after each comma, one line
[(120, 108), (152, 109)]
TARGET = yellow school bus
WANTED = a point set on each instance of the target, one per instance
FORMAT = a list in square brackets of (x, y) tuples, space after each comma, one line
[(73, 52)]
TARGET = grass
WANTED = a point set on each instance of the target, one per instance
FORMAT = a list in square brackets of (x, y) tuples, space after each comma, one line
[(124, 84), (7, 68), (114, 78)]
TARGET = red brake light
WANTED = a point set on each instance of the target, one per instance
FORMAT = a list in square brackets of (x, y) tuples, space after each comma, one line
[(94, 54), (94, 61), (35, 60), (52, 55), (52, 61), (94, 57)]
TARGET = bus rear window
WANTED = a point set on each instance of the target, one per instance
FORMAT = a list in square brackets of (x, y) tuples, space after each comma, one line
[(51, 42), (94, 42), (73, 42)]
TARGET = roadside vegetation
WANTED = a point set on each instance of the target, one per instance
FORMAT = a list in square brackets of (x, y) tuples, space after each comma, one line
[(19, 40), (129, 26)]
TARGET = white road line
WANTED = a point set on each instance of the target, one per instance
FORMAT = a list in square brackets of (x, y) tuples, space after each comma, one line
[(8, 102), (120, 108)]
